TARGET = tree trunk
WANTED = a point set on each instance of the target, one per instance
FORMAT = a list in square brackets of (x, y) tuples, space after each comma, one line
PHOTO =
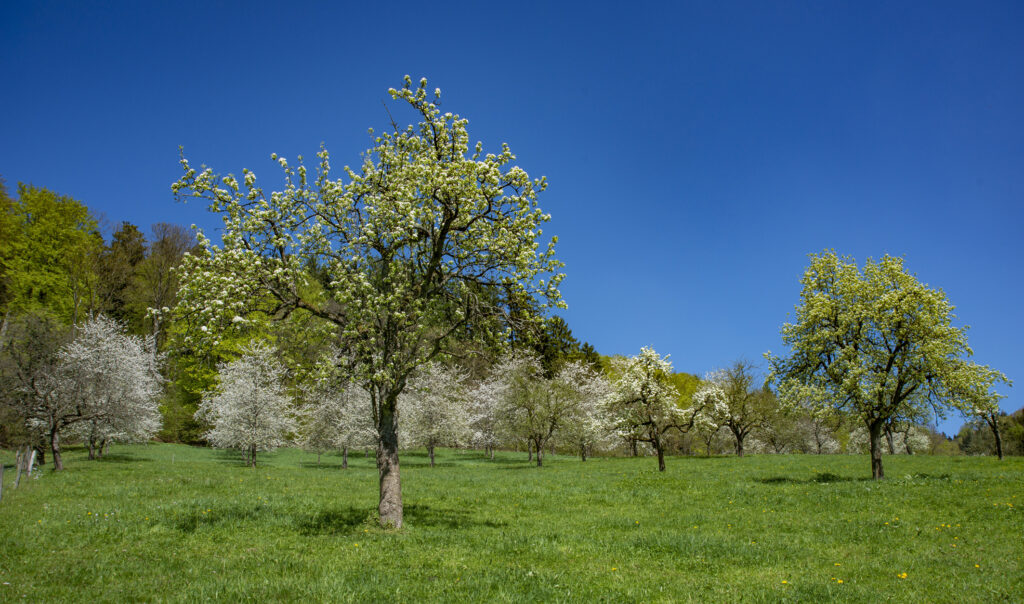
[(40, 453), (58, 464), (661, 456), (739, 445), (889, 440), (344, 458), (632, 444), (875, 430), (390, 506), (92, 448), (318, 458), (994, 424), (529, 450), (104, 447), (430, 450), (252, 456), (492, 453), (540, 454), (583, 452)]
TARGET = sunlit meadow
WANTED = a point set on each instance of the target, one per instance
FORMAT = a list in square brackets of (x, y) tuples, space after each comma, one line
[(174, 523)]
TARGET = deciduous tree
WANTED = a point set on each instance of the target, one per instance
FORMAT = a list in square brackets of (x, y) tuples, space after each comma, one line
[(403, 242), (875, 343)]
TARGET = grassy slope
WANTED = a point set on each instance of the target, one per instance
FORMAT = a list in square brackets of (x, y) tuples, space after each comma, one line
[(141, 527)]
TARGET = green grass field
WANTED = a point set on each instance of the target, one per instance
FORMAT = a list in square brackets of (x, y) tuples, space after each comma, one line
[(173, 523)]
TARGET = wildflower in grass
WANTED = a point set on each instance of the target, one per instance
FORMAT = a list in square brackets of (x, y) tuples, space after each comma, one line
[(902, 575)]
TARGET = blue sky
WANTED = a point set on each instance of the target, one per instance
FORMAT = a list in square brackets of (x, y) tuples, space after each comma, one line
[(696, 152)]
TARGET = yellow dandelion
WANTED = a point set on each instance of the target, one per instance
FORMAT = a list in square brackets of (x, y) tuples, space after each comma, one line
[(839, 581), (902, 575), (785, 582)]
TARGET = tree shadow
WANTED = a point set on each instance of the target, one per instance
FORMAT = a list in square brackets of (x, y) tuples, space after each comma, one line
[(121, 458), (820, 478), (192, 521), (348, 520)]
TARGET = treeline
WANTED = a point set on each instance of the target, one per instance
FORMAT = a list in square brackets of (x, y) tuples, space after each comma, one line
[(69, 302), (65, 291)]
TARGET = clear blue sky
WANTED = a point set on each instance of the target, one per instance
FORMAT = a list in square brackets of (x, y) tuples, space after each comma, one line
[(696, 154)]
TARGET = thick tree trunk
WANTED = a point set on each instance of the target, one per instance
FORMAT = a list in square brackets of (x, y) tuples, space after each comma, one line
[(430, 450), (583, 452), (875, 430), (58, 463), (390, 506), (739, 445), (540, 454), (344, 458)]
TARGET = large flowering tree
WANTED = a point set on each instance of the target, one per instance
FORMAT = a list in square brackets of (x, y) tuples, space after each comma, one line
[(395, 254), (876, 344)]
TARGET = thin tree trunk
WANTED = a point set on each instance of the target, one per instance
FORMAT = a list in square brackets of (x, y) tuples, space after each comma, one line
[(492, 453), (40, 453), (344, 458), (252, 456), (889, 440), (661, 456), (105, 448), (875, 430), (92, 448), (994, 424), (633, 445), (583, 452), (390, 506), (430, 449), (318, 458), (540, 454), (58, 464), (529, 450)]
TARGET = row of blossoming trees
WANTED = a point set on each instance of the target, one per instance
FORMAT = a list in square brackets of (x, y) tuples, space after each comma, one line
[(429, 255)]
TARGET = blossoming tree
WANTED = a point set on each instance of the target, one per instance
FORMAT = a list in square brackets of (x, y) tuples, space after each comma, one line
[(249, 410), (874, 343), (436, 410), (645, 404), (401, 246)]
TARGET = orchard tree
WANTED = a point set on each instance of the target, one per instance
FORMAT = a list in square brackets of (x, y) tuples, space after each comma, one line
[(588, 425), (977, 389), (435, 407), (402, 245), (486, 417), (113, 381), (875, 343), (249, 410), (536, 407), (337, 417), (746, 406), (645, 403)]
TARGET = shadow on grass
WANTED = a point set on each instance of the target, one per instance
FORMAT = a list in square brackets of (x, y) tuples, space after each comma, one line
[(339, 521), (121, 458), (821, 478)]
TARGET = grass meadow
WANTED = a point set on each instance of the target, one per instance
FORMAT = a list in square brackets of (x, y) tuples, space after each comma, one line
[(160, 522)]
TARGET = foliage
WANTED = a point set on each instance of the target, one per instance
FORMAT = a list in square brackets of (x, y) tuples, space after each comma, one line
[(49, 265), (875, 343)]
